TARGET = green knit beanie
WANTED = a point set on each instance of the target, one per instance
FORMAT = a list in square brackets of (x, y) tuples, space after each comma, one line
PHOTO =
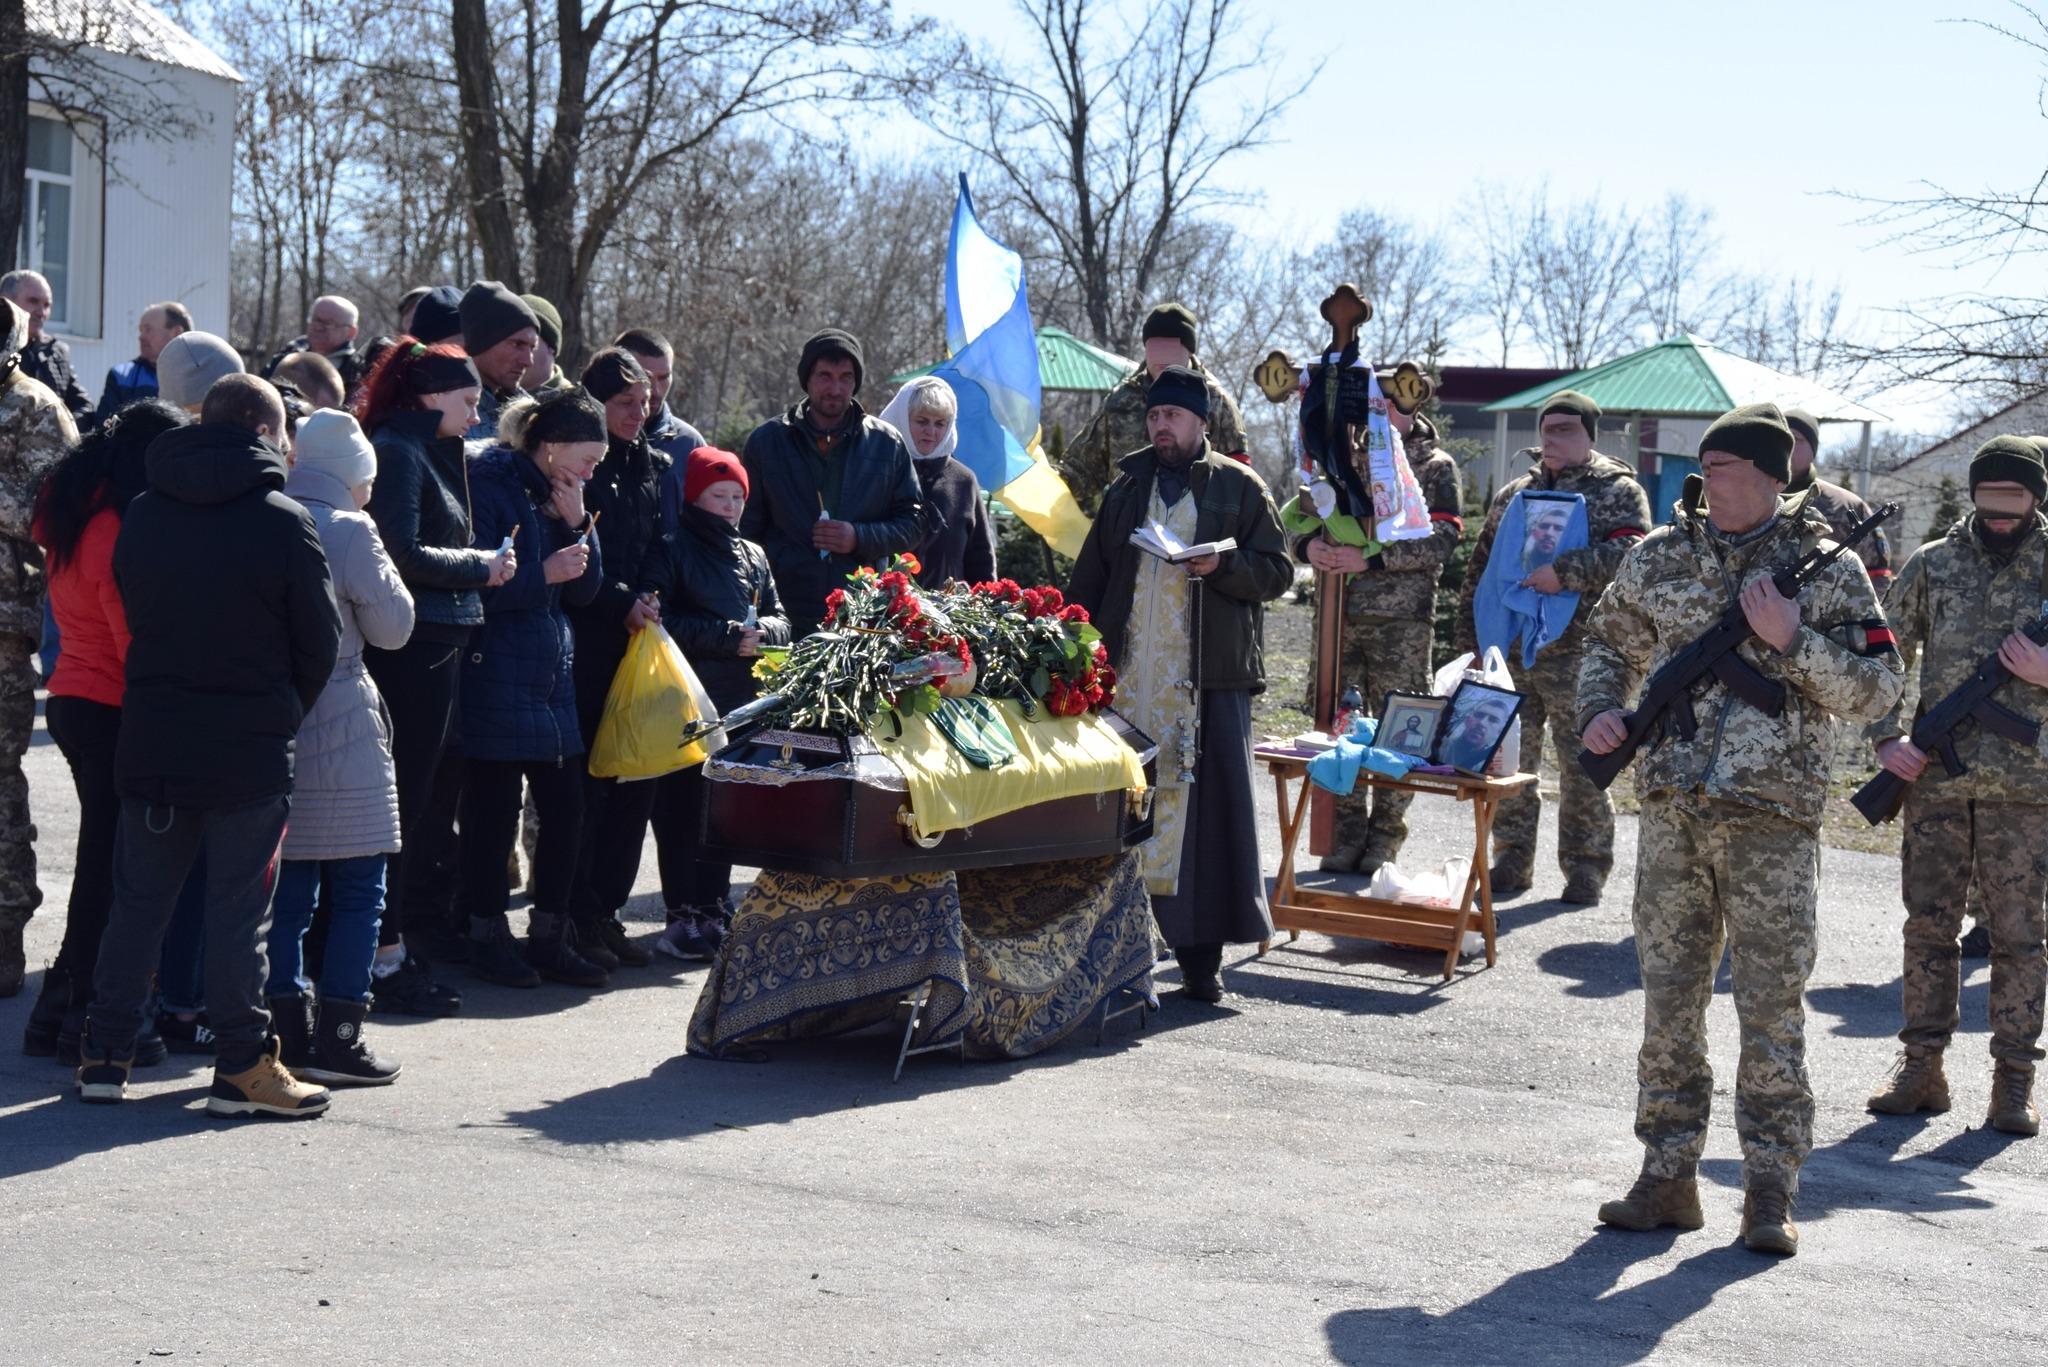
[(1578, 405), (1757, 433), (2010, 458), (1172, 320)]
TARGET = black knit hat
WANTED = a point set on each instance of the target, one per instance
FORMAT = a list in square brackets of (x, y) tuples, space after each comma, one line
[(2015, 458), (438, 317), (830, 344), (610, 371), (1180, 387), (1755, 432), (1578, 405), (1804, 424), (490, 314), (1172, 320)]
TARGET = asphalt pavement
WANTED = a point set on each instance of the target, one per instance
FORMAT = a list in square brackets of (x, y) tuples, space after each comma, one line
[(1349, 1161)]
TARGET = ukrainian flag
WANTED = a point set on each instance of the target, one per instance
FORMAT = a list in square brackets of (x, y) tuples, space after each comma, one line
[(993, 369)]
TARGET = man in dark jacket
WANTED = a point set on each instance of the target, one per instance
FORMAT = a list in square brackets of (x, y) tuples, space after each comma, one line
[(500, 333), (670, 434), (331, 331), (45, 358), (833, 489), (236, 630), (1185, 640), (136, 379)]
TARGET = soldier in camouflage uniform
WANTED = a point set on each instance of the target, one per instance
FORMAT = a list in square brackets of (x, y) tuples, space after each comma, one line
[(1118, 427), (1389, 620), (1617, 515), (1730, 831), (35, 432), (1838, 507), (1958, 600)]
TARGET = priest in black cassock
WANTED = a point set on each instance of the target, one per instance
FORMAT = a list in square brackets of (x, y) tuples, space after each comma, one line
[(1186, 643)]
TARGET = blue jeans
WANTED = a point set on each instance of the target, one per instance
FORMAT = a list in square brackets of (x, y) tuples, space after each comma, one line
[(355, 894)]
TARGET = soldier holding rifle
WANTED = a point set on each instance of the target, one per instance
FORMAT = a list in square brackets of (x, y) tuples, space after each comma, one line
[(1983, 808), (1731, 807)]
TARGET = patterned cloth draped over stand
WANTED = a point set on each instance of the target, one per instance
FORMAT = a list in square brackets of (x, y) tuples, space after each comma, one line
[(1017, 957)]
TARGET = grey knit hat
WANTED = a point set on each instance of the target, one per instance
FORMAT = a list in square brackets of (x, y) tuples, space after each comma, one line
[(330, 440), (189, 364)]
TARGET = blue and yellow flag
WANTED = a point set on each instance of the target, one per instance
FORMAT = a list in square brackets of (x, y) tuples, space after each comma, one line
[(993, 369)]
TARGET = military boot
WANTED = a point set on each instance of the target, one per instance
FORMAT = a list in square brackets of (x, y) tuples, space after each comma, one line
[(1917, 1084), (1656, 1201), (1342, 859), (2012, 1100), (1509, 879), (1582, 886), (1767, 1222)]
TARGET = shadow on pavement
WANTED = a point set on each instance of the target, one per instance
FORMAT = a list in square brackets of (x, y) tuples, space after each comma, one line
[(687, 1097), (1567, 1312), (1871, 1010), (53, 1127), (1358, 977), (1863, 1169), (1597, 968)]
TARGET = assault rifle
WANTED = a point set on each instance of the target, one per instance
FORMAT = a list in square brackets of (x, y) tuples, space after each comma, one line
[(1667, 702), (1936, 731)]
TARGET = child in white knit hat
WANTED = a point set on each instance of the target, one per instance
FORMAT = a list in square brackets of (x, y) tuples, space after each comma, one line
[(344, 819)]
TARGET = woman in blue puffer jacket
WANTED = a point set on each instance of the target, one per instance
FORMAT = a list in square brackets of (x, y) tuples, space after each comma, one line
[(519, 685)]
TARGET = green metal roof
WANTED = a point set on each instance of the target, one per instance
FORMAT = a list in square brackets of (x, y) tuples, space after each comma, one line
[(1065, 362), (1690, 377)]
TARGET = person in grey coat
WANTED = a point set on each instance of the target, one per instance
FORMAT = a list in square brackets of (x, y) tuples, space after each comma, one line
[(344, 820)]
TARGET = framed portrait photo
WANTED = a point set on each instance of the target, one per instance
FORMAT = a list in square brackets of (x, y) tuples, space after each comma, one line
[(1478, 720), (1409, 723), (1545, 519)]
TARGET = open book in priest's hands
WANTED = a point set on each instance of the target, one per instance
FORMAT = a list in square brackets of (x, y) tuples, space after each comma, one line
[(1154, 539)]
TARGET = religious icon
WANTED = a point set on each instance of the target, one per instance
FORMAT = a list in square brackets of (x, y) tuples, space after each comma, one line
[(1408, 723)]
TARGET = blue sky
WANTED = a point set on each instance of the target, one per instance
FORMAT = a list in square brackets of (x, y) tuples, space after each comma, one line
[(1757, 109)]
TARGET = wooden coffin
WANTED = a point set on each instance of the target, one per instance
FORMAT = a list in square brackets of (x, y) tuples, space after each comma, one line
[(807, 802)]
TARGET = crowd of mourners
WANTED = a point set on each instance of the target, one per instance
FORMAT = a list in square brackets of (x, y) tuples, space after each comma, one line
[(325, 641)]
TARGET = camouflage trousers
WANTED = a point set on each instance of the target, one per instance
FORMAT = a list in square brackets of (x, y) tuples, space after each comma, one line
[(2005, 846), (1709, 871), (19, 895), (1380, 656), (1585, 816)]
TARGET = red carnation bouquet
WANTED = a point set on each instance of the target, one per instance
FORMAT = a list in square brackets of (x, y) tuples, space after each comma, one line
[(886, 644)]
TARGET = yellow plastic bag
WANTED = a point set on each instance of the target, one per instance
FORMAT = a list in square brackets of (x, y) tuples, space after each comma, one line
[(653, 697)]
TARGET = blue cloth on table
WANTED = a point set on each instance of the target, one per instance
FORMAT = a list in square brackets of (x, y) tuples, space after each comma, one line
[(1502, 608), (1336, 769)]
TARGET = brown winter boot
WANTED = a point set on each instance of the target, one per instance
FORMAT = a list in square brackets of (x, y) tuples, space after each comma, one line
[(1767, 1222), (1341, 859), (2012, 1100), (1654, 1202), (1917, 1084)]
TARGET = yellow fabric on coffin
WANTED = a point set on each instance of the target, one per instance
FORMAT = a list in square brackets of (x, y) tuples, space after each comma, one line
[(1057, 757)]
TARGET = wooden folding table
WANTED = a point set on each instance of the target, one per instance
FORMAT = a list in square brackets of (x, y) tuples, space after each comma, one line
[(1296, 909)]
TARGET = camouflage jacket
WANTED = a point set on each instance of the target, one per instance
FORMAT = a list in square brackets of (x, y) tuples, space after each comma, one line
[(1671, 588), (1617, 515), (1842, 510), (1118, 429), (1399, 583), (35, 432), (1952, 605)]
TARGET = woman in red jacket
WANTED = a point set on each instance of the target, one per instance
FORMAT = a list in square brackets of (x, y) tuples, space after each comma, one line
[(77, 518)]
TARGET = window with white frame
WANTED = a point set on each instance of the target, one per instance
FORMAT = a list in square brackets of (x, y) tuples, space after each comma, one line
[(60, 221)]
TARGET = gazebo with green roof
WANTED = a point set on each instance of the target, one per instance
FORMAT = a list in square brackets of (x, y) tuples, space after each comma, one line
[(1687, 377), (1066, 364)]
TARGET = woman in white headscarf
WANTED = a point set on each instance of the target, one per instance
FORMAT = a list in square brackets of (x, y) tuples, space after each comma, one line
[(957, 541)]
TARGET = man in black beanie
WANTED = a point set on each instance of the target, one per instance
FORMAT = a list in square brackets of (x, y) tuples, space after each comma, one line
[(500, 333), (1728, 842), (1841, 508), (1958, 600), (832, 489), (1185, 640), (436, 316), (1118, 428)]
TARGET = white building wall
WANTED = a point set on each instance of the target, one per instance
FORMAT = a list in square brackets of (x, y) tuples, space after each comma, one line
[(166, 225)]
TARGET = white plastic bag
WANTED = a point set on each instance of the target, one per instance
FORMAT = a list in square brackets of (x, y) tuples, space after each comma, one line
[(1434, 888), (1508, 758)]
